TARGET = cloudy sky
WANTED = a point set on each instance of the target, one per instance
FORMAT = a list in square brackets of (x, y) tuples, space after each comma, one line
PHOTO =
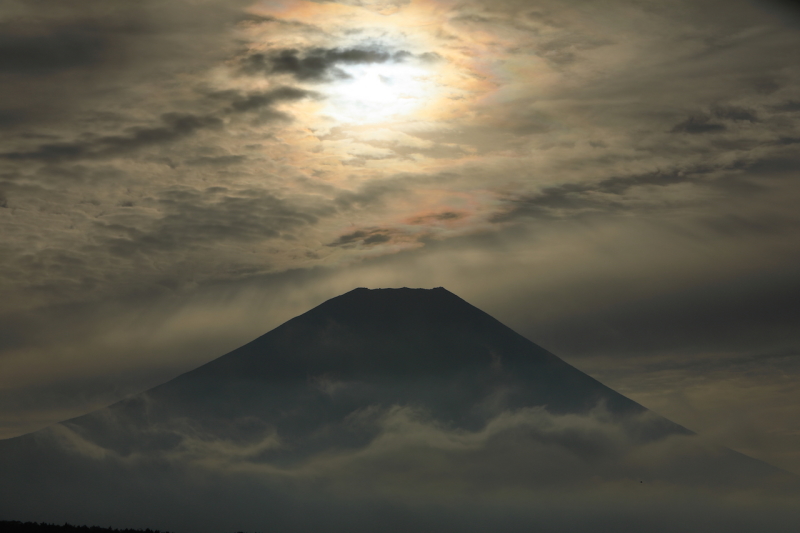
[(615, 180)]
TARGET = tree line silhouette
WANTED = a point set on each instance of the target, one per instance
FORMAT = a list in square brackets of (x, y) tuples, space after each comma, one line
[(13, 526)]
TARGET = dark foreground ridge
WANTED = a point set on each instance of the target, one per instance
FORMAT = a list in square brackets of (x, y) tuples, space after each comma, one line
[(389, 409), (11, 526)]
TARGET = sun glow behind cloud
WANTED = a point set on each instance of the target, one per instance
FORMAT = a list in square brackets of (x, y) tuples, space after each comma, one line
[(386, 86), (378, 92), (418, 80)]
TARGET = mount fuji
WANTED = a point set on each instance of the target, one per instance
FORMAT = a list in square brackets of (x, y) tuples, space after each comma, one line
[(387, 410)]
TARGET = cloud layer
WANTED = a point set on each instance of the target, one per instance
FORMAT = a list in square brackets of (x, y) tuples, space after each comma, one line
[(523, 469)]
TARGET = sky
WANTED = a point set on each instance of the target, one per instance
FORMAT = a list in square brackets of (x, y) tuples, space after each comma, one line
[(615, 180)]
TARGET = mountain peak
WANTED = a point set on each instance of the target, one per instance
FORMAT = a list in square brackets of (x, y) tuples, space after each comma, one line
[(392, 308), (401, 296)]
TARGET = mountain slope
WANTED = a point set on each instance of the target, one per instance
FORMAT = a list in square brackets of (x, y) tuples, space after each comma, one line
[(425, 349)]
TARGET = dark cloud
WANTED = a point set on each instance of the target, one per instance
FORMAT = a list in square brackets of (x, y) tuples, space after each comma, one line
[(698, 123), (221, 160), (376, 238), (766, 85), (367, 237), (613, 194), (43, 53), (175, 126), (735, 113), (792, 106), (426, 57), (776, 164), (317, 64), (190, 218), (706, 123), (256, 101), (10, 117), (256, 18), (444, 216), (606, 194), (62, 44), (448, 215), (61, 62)]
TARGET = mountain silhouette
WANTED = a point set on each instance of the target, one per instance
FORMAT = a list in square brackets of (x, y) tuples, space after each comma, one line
[(426, 349), (393, 389)]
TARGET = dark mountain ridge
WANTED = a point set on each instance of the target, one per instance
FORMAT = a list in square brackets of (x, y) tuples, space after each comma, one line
[(401, 335), (426, 349)]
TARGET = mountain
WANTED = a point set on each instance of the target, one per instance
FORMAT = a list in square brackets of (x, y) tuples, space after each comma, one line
[(395, 409)]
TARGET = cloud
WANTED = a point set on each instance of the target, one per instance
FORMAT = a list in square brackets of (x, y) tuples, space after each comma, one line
[(222, 160), (607, 195), (191, 218), (716, 119), (787, 107), (385, 7), (445, 216), (401, 448), (175, 126), (558, 450), (72, 46), (256, 101), (735, 113), (369, 237), (699, 123), (317, 64), (524, 468), (705, 123), (89, 36)]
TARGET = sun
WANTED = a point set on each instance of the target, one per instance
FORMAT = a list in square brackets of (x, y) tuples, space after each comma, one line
[(378, 92)]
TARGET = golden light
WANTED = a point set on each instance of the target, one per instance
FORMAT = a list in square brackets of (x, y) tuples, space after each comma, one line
[(433, 73), (378, 92)]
